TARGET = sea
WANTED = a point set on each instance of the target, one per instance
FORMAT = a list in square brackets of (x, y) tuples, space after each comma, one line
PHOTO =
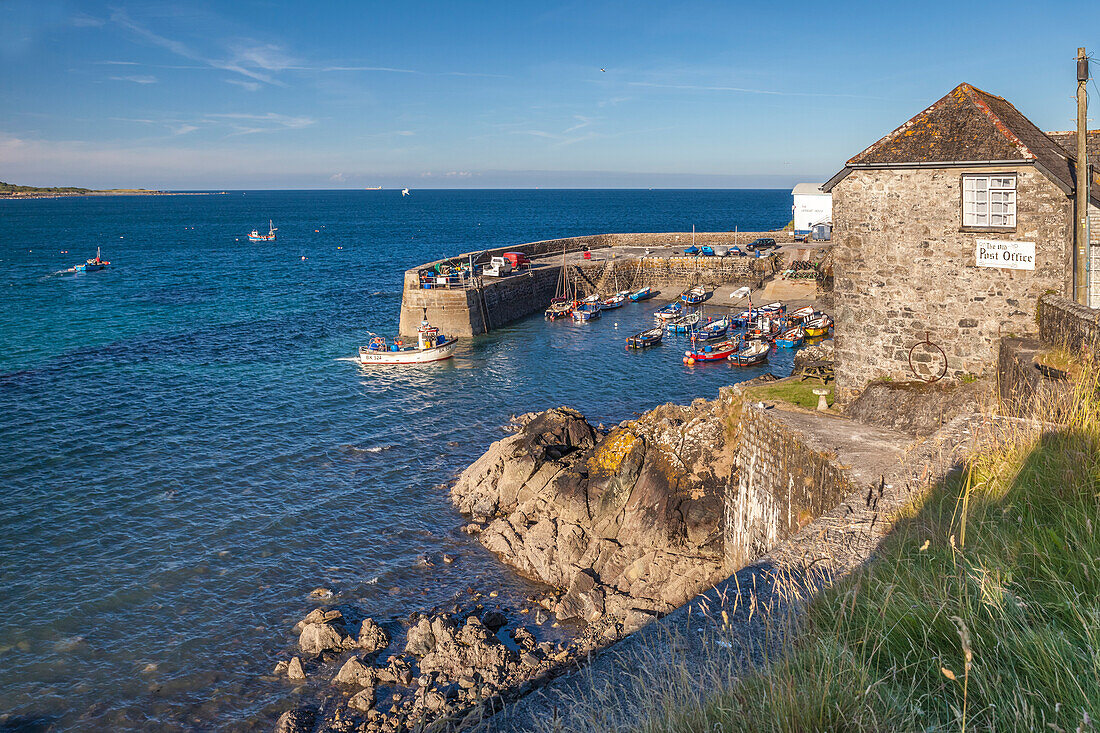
[(188, 449)]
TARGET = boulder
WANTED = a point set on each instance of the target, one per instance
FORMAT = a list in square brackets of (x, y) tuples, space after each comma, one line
[(372, 637), (297, 720), (324, 631), (294, 670), (354, 672)]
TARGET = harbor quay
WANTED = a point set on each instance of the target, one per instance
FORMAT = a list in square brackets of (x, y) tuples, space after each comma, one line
[(463, 301)]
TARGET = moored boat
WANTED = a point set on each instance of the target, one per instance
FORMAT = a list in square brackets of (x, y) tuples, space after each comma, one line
[(92, 265), (255, 236), (645, 339), (790, 338), (559, 308), (644, 294), (772, 309), (586, 310), (713, 330), (618, 300), (694, 296), (712, 352), (431, 346), (684, 323), (668, 312), (755, 352), (817, 326), (801, 314)]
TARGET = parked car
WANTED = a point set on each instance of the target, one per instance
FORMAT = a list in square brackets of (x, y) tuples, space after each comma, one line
[(761, 245), (706, 250)]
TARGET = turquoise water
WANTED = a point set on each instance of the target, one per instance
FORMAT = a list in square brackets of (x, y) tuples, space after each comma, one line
[(188, 452)]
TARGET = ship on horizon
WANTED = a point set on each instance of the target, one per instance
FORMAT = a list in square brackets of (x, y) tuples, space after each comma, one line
[(373, 188)]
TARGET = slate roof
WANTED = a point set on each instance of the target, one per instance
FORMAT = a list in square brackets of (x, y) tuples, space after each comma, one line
[(1068, 141), (969, 125), (813, 189)]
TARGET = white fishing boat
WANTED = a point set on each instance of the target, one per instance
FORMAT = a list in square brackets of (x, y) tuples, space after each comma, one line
[(431, 346), (255, 236)]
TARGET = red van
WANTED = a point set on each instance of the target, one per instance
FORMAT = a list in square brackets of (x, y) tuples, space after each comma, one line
[(517, 259)]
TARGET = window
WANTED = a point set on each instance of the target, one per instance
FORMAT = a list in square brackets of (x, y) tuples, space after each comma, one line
[(989, 201)]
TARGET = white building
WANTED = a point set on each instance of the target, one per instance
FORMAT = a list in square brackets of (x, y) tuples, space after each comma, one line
[(811, 206)]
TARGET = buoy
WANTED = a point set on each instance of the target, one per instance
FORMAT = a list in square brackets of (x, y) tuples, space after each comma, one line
[(689, 361)]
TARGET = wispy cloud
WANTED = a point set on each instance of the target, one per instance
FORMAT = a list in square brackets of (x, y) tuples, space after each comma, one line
[(250, 124), (337, 177), (405, 133), (136, 78), (369, 68), (252, 86), (117, 63), (83, 20)]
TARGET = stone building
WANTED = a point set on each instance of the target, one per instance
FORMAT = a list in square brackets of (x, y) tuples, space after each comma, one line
[(946, 232)]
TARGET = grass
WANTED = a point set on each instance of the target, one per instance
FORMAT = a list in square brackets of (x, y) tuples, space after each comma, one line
[(794, 392), (980, 611)]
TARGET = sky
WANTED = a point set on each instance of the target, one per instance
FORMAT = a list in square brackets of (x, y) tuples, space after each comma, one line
[(253, 94)]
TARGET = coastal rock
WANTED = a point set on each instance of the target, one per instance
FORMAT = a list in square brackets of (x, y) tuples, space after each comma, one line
[(372, 637), (444, 647), (623, 522), (354, 672), (294, 670), (324, 631), (297, 720)]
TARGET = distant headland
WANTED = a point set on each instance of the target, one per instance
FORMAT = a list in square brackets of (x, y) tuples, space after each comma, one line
[(12, 191)]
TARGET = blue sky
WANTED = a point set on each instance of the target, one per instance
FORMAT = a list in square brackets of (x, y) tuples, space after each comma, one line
[(250, 94)]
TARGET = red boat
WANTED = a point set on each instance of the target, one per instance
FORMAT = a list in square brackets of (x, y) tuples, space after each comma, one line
[(711, 352)]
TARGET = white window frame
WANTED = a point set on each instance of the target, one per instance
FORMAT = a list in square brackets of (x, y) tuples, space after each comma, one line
[(989, 201)]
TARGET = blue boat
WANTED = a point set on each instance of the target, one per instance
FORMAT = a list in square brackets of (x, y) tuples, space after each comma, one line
[(586, 311), (694, 296), (713, 330), (668, 312), (692, 250), (92, 265), (644, 294), (684, 324), (790, 338), (706, 250)]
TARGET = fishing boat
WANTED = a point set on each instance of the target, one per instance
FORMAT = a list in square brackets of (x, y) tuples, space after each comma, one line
[(685, 323), (772, 309), (255, 236), (559, 308), (644, 294), (585, 311), (645, 339), (694, 296), (817, 326), (668, 312), (712, 352), (618, 300), (755, 352), (713, 330), (431, 346), (801, 314), (95, 264), (790, 338), (742, 319)]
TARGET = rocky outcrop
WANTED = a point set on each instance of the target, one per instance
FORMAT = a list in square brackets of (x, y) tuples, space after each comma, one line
[(627, 523)]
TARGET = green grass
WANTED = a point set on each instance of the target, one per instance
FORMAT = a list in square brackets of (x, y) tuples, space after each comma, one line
[(980, 611), (12, 188), (793, 392)]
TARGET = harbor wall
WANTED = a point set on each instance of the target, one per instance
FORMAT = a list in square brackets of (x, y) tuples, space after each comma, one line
[(470, 311)]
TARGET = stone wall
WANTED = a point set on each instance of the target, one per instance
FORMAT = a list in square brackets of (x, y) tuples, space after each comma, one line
[(1069, 325), (1094, 256), (904, 268), (783, 484)]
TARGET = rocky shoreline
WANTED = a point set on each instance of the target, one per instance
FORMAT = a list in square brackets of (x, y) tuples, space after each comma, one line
[(623, 525)]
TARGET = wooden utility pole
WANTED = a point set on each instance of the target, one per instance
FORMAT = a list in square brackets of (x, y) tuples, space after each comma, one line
[(1081, 248)]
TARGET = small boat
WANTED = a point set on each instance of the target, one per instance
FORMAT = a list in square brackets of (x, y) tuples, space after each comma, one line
[(712, 352), (713, 330), (692, 250), (801, 314), (559, 308), (586, 311), (430, 346), (817, 326), (645, 339), (255, 235), (618, 300), (755, 352), (741, 319), (772, 309), (790, 338), (706, 250), (643, 294), (95, 264), (685, 323), (694, 296), (668, 312)]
